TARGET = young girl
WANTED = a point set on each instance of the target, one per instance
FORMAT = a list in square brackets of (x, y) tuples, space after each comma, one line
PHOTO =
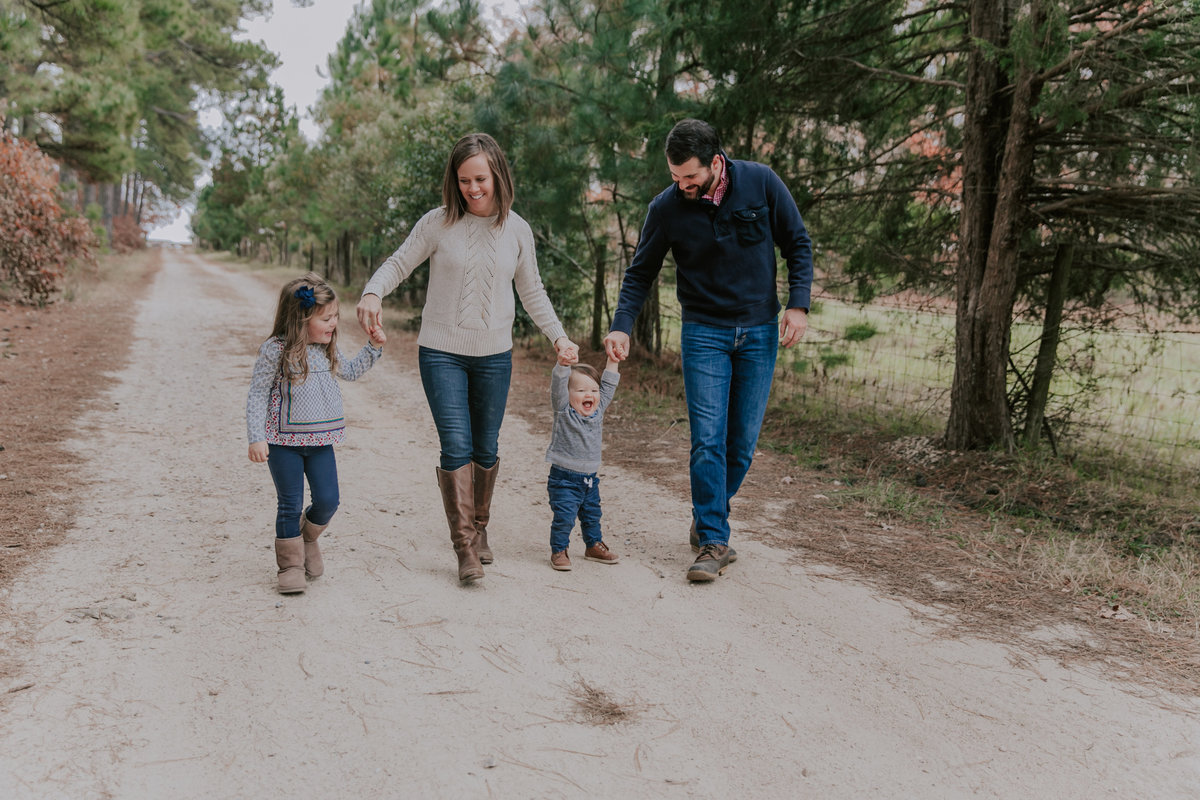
[(294, 418)]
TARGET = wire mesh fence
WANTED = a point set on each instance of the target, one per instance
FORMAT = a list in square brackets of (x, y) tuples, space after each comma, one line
[(1132, 394)]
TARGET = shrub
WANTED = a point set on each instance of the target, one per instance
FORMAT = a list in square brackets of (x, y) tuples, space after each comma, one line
[(860, 332), (127, 235), (38, 239)]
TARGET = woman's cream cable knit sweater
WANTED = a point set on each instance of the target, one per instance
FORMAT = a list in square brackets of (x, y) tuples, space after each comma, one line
[(469, 308)]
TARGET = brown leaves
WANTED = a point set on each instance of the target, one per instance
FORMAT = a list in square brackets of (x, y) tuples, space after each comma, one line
[(38, 239)]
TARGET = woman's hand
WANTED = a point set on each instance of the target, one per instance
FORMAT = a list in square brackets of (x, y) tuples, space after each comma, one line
[(370, 313), (568, 351)]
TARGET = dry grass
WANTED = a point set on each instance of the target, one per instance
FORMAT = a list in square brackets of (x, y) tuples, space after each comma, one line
[(596, 707)]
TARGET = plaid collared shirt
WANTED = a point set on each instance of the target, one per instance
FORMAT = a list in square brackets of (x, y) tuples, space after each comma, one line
[(718, 194)]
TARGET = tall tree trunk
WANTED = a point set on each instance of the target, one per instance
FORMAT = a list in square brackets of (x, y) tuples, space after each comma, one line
[(647, 328), (347, 248), (997, 165), (599, 324), (1043, 371), (108, 198), (141, 199)]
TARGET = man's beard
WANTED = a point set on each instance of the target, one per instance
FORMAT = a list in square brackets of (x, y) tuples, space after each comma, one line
[(702, 190)]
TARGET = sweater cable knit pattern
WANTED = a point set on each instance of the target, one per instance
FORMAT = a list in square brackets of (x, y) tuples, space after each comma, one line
[(474, 310)]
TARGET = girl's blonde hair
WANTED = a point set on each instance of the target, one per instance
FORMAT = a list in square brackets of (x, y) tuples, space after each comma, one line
[(470, 146), (300, 300)]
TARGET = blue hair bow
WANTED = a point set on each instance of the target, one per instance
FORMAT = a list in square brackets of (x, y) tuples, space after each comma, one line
[(305, 295)]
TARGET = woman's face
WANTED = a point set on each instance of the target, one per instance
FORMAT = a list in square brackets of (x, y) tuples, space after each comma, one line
[(475, 183)]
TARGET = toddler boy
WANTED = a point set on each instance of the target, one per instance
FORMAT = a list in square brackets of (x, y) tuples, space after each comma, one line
[(579, 395)]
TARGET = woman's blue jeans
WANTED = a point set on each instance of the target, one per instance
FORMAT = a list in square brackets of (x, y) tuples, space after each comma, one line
[(289, 467), (467, 396), (727, 374)]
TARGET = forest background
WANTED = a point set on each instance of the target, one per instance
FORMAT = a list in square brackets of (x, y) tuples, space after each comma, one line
[(1001, 196)]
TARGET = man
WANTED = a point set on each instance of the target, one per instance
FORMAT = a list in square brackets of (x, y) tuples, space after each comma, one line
[(721, 220)]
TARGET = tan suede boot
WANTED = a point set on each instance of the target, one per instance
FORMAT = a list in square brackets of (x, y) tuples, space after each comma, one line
[(289, 556), (485, 482), (314, 565), (458, 498)]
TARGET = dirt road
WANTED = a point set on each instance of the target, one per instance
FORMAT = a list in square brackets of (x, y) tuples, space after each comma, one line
[(158, 660)]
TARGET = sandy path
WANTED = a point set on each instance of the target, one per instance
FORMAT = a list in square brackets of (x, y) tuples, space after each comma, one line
[(159, 661)]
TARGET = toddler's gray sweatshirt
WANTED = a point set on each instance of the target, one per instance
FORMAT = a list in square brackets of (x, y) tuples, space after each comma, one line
[(575, 440)]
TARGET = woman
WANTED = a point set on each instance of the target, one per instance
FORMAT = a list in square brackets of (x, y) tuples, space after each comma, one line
[(478, 249)]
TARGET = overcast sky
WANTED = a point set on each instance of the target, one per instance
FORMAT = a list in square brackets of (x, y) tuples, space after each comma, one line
[(303, 38)]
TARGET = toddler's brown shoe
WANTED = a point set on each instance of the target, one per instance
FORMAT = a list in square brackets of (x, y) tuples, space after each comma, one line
[(560, 561), (600, 552)]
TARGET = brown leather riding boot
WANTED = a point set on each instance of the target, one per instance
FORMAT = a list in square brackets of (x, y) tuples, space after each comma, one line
[(458, 497), (314, 565), (485, 482), (289, 557)]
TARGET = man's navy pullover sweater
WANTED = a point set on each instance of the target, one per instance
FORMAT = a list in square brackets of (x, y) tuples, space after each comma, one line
[(724, 255)]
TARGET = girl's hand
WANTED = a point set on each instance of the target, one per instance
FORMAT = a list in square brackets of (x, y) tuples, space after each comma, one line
[(258, 452), (378, 337), (568, 351)]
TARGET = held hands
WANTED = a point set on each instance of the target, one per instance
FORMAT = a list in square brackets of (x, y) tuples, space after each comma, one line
[(616, 346), (370, 314), (378, 337), (258, 452), (792, 326), (568, 351)]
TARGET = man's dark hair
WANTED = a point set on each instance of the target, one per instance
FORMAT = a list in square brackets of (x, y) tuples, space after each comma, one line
[(692, 138)]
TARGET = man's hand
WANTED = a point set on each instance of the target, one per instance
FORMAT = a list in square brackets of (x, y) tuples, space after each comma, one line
[(792, 326), (370, 313), (616, 345)]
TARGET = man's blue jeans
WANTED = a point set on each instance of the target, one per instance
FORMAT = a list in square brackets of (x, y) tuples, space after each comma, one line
[(467, 396), (727, 373), (573, 495), (289, 466)]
